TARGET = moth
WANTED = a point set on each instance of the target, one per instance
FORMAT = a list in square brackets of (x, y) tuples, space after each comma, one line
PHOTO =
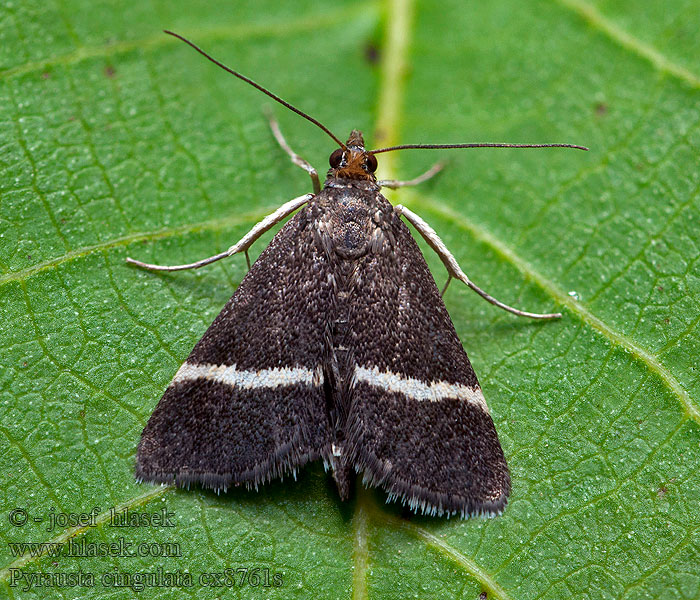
[(336, 346)]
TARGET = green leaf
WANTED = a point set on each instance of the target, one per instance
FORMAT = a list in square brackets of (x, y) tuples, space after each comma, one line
[(118, 140)]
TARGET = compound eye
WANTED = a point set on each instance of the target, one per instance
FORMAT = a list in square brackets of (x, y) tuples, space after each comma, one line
[(336, 158), (371, 163)]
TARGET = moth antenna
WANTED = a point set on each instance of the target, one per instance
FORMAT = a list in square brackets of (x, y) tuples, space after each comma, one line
[(442, 146), (257, 86)]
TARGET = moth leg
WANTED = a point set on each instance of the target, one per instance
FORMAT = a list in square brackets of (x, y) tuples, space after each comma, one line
[(449, 279), (242, 245), (296, 159), (431, 172), (454, 270)]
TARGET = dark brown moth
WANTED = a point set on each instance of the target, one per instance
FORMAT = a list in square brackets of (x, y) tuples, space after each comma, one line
[(335, 346)]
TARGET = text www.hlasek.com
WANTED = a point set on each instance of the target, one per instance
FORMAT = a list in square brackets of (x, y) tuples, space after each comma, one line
[(83, 548)]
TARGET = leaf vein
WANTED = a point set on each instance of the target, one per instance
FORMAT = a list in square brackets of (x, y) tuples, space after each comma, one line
[(469, 565), (228, 33), (604, 25), (582, 312)]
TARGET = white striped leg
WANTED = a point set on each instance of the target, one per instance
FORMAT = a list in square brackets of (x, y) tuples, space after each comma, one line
[(453, 268), (296, 159), (394, 183), (242, 245)]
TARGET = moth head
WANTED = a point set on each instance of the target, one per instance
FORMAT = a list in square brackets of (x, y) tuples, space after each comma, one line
[(353, 161)]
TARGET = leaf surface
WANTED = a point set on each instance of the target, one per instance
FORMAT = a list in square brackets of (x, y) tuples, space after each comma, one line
[(119, 141)]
